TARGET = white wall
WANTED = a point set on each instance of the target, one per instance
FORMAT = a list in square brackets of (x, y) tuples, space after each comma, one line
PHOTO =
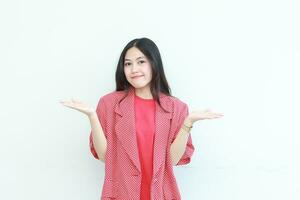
[(240, 58)]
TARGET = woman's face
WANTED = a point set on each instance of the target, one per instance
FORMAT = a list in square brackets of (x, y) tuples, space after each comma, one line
[(137, 68)]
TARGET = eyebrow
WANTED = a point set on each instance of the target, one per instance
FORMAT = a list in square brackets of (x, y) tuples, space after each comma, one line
[(137, 58)]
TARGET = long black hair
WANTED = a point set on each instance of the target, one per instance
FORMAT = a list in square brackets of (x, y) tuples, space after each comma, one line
[(158, 82)]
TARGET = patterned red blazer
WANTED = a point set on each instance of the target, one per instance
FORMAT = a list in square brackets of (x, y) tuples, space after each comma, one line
[(122, 179)]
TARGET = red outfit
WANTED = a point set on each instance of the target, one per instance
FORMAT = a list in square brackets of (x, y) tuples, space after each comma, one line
[(123, 170), (145, 130)]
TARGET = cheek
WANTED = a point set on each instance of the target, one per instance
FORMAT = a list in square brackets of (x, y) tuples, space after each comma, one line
[(126, 72), (149, 71)]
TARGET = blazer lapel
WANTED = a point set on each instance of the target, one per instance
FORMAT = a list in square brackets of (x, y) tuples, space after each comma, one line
[(162, 129), (126, 132)]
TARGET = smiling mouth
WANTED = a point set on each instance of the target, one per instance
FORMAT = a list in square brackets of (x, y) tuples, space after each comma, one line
[(137, 77)]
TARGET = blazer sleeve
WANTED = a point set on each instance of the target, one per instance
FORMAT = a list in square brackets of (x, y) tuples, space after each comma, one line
[(101, 113), (189, 150)]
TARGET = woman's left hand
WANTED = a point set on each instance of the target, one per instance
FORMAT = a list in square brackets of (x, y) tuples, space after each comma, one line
[(202, 114)]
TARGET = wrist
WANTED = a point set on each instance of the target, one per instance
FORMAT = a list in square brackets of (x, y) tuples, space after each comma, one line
[(92, 114), (186, 129), (187, 125), (187, 122)]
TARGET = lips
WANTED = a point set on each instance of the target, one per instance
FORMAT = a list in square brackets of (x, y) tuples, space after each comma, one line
[(136, 76)]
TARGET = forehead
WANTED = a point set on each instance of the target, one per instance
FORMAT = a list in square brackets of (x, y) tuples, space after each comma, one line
[(134, 54)]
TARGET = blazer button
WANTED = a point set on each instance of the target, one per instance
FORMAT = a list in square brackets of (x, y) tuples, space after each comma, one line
[(135, 174)]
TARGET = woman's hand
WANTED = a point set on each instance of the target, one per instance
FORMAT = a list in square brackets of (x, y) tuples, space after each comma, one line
[(201, 115), (78, 105)]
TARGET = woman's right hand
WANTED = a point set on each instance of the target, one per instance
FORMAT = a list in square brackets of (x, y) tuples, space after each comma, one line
[(78, 105)]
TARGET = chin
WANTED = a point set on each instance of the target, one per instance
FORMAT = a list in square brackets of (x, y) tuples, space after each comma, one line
[(138, 86)]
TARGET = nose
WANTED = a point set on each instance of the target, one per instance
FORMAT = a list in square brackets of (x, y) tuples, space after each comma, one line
[(134, 68)]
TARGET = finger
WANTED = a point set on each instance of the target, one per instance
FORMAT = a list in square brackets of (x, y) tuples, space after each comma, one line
[(69, 104), (217, 114), (64, 102), (76, 101)]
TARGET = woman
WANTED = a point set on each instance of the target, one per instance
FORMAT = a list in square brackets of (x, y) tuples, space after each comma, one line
[(140, 131)]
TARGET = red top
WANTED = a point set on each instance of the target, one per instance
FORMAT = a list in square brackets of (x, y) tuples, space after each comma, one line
[(145, 130)]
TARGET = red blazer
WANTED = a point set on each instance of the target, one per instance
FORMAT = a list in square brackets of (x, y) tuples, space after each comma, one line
[(122, 179)]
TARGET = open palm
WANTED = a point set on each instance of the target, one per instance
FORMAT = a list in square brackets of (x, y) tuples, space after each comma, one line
[(203, 114), (78, 105)]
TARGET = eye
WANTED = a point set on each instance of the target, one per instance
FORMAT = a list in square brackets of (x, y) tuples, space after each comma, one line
[(142, 61), (127, 64)]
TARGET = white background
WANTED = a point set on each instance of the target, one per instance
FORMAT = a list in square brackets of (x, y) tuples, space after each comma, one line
[(240, 58)]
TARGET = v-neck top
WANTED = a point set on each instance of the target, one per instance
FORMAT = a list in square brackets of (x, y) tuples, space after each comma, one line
[(145, 132)]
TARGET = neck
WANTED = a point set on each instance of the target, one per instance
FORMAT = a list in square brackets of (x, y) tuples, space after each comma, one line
[(143, 93)]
